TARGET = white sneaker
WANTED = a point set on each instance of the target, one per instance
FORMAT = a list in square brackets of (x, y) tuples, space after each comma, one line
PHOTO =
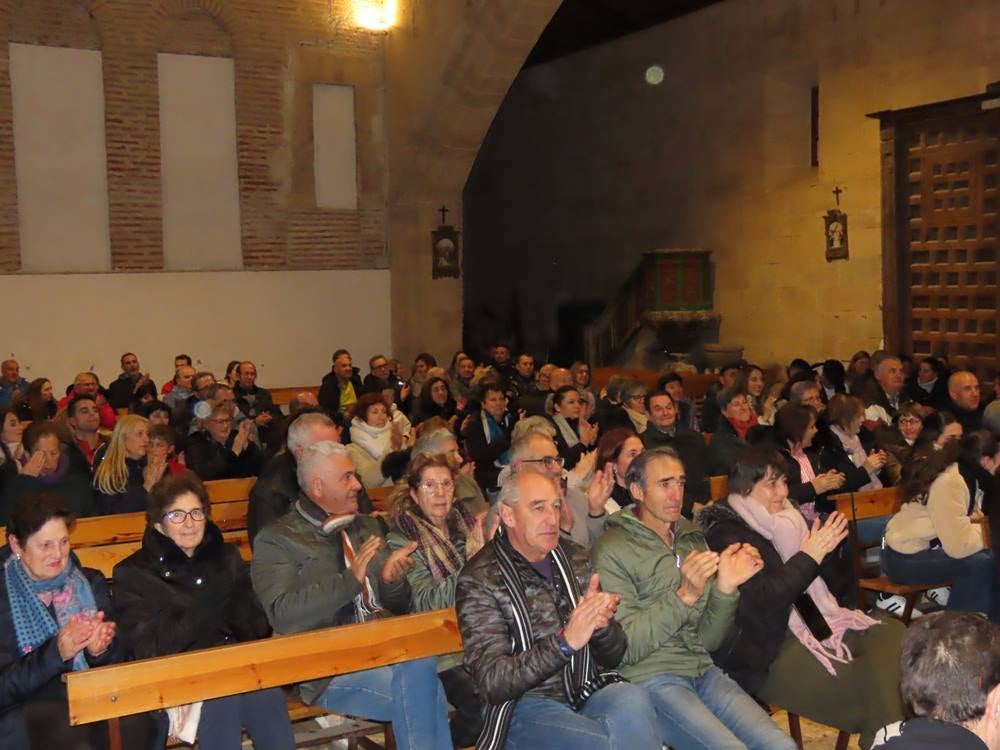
[(895, 605), (938, 596)]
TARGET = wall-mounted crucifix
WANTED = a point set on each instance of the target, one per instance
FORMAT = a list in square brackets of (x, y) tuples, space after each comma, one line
[(835, 229), (445, 257)]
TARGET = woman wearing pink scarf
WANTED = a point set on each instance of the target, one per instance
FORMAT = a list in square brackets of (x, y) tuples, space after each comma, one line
[(793, 645)]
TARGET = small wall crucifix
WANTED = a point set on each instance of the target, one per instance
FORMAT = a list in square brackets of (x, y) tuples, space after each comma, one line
[(445, 251), (835, 229)]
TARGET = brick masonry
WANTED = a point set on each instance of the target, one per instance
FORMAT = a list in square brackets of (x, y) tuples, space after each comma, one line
[(426, 92)]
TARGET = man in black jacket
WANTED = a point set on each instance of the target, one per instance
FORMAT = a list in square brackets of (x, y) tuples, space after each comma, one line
[(663, 429), (521, 593), (963, 396), (341, 387), (256, 403), (121, 391)]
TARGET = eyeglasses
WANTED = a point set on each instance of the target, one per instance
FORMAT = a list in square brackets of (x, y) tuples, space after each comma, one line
[(223, 420), (429, 485), (549, 461), (177, 517), (909, 421)]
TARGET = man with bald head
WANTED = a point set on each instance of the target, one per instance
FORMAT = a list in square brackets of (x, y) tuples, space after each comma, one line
[(256, 403), (12, 385), (87, 384), (963, 394), (536, 626)]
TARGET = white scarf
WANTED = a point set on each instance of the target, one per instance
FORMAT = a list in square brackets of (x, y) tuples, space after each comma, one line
[(567, 432), (375, 440), (639, 420)]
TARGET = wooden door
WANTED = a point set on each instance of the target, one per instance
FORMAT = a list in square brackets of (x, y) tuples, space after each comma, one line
[(947, 192)]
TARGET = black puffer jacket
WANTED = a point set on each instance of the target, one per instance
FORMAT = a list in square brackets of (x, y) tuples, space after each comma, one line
[(484, 616), (135, 497), (212, 460), (168, 602), (32, 682), (765, 600)]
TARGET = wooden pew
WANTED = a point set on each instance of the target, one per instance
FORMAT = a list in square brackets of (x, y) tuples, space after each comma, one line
[(129, 527), (282, 396), (107, 693), (380, 497), (857, 506), (104, 557), (718, 488), (221, 490)]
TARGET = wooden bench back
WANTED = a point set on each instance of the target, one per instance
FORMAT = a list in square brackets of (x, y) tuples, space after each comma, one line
[(695, 383), (857, 506), (221, 490), (380, 497), (129, 527), (104, 557), (150, 684), (718, 488)]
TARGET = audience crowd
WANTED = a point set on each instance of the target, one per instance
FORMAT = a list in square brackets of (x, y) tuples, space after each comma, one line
[(605, 598)]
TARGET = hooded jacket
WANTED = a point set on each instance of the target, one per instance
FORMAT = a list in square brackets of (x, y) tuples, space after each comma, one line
[(665, 636)]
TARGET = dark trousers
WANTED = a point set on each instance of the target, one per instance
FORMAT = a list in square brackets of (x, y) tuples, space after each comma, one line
[(460, 689), (264, 713), (973, 578)]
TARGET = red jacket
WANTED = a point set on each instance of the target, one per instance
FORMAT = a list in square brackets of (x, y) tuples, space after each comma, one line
[(108, 417)]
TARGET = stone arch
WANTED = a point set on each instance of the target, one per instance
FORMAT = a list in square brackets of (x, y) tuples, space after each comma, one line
[(462, 90), (188, 27), (55, 23)]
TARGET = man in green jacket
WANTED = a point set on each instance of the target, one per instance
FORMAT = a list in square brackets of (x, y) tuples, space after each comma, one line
[(322, 564), (678, 601)]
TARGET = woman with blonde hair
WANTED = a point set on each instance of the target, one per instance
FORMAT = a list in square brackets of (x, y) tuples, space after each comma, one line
[(123, 476)]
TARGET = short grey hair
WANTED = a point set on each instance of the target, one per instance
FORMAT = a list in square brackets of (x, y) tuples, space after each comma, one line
[(300, 431), (533, 426), (639, 468), (520, 448), (315, 457), (510, 490), (800, 388), (432, 442)]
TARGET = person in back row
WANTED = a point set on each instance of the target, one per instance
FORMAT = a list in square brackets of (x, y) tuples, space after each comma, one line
[(678, 601), (536, 626), (322, 564), (277, 487)]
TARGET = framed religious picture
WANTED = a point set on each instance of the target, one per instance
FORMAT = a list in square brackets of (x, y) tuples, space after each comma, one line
[(445, 261), (835, 223)]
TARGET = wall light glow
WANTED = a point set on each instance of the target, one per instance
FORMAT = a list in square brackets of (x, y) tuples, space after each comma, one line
[(375, 15)]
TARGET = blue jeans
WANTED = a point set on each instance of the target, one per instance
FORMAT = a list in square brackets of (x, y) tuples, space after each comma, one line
[(408, 694), (616, 717), (871, 530), (264, 713), (712, 712), (972, 578)]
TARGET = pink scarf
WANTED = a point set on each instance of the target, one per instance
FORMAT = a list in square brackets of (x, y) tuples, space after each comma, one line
[(807, 474), (785, 530)]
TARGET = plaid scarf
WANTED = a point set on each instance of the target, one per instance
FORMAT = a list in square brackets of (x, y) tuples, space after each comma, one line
[(67, 594), (443, 559)]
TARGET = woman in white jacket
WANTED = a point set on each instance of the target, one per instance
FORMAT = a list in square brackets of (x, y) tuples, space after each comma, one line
[(374, 434), (935, 537)]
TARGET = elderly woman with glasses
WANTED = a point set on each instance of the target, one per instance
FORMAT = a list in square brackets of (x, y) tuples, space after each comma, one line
[(186, 589), (218, 450), (446, 534)]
